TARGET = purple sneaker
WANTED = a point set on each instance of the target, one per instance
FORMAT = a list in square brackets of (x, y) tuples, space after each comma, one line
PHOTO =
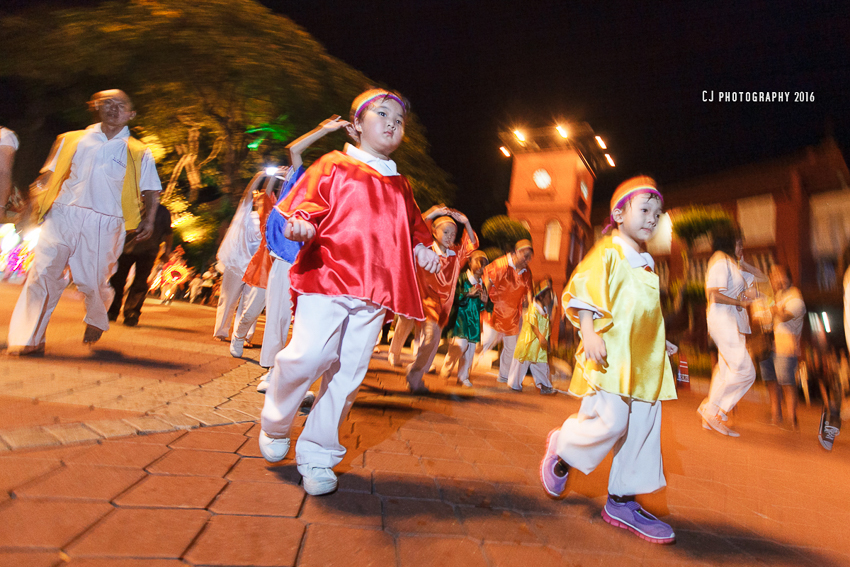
[(630, 516), (553, 484)]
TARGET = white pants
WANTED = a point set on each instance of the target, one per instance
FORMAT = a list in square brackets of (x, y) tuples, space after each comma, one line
[(429, 342), (251, 306), (489, 337), (231, 296), (278, 312), (461, 353), (403, 326), (734, 373), (86, 241), (332, 337), (539, 371), (632, 428)]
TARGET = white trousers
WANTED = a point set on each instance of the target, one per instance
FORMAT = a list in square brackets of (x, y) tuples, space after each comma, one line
[(332, 337), (632, 428), (461, 352), (86, 241), (231, 296), (489, 337), (251, 306), (278, 312), (429, 342), (735, 372), (539, 371), (403, 327)]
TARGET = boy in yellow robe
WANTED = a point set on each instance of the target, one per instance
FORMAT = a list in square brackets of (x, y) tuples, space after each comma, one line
[(622, 370)]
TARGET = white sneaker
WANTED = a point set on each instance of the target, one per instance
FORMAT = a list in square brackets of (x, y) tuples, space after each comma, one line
[(273, 450), (464, 382), (264, 382), (236, 346), (317, 480), (391, 359)]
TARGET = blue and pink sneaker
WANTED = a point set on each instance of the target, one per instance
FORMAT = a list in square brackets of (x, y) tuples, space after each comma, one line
[(553, 484), (630, 516)]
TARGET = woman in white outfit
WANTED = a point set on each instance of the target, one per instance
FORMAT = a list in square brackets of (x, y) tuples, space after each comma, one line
[(729, 289)]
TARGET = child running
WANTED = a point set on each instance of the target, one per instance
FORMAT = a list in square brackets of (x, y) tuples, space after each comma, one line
[(622, 371), (471, 300), (532, 346), (364, 237), (438, 290)]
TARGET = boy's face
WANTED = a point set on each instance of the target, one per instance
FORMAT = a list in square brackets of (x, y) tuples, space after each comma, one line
[(115, 108), (639, 218), (522, 258), (381, 128), (445, 234)]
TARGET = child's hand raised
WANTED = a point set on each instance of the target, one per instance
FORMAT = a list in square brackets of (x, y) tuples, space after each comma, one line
[(427, 259), (299, 230)]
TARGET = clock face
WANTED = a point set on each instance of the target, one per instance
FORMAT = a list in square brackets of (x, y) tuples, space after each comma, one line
[(542, 179), (584, 190)]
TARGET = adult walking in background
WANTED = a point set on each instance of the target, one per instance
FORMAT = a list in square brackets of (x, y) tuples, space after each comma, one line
[(94, 182), (141, 254), (729, 289), (8, 148)]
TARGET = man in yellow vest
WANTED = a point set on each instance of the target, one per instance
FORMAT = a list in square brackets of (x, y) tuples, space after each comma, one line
[(94, 183)]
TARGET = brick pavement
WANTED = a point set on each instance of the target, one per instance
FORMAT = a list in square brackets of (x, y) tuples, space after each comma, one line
[(449, 479)]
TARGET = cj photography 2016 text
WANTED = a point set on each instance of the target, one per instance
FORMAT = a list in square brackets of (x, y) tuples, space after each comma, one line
[(758, 96)]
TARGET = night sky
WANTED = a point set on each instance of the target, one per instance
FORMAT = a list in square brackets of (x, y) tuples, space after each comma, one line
[(635, 74)]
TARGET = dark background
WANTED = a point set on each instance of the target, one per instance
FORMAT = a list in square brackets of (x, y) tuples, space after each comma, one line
[(634, 72)]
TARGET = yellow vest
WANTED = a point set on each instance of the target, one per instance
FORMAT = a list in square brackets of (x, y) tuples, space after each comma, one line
[(130, 193)]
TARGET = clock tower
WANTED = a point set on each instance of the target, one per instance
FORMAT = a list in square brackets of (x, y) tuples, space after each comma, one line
[(550, 194)]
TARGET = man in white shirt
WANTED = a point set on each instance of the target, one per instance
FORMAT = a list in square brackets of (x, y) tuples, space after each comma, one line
[(8, 147), (94, 183)]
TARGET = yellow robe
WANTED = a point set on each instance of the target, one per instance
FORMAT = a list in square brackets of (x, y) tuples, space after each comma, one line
[(631, 325), (528, 345)]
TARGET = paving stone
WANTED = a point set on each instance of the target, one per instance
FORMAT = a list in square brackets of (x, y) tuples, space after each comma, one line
[(237, 416), (31, 558), (258, 470), (250, 448), (347, 508), (193, 462), (111, 427), (142, 533), (87, 482), (249, 541), (207, 416), (17, 471), (405, 485), (450, 469), (73, 433), (352, 547), (28, 437), (113, 562), (24, 524), (355, 480), (177, 421), (420, 517), (172, 491), (496, 525), (512, 555), (473, 493), (210, 440), (147, 425), (434, 451), (118, 454), (391, 462), (155, 438), (259, 499), (439, 552)]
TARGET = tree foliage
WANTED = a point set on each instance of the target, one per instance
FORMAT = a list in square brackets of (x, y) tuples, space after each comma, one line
[(504, 232), (693, 222), (211, 70)]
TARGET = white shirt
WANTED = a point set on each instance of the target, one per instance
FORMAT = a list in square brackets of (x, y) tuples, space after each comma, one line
[(97, 172), (385, 167), (791, 301), (724, 275), (511, 264), (8, 138)]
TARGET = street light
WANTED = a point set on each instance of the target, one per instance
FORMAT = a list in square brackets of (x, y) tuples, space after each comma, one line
[(562, 131), (505, 151), (610, 160), (519, 136), (601, 143)]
